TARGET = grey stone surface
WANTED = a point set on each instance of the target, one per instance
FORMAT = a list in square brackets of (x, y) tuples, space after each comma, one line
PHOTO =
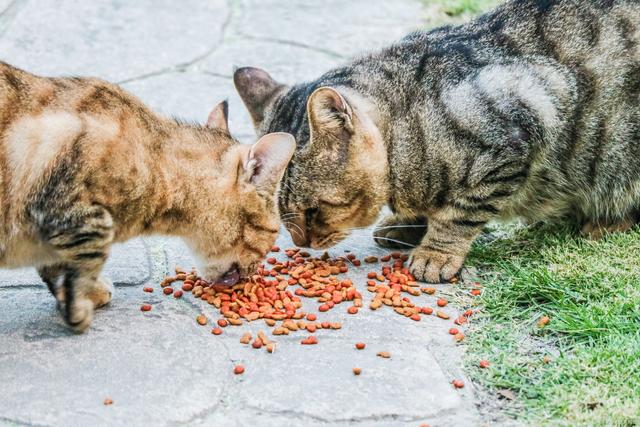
[(113, 39), (160, 368), (128, 265)]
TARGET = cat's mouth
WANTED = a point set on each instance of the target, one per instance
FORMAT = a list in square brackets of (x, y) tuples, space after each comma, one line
[(231, 277)]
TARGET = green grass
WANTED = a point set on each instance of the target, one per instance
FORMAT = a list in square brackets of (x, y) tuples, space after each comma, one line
[(455, 8), (591, 292), (464, 7)]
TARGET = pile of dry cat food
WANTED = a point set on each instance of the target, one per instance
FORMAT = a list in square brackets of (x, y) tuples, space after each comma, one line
[(274, 295)]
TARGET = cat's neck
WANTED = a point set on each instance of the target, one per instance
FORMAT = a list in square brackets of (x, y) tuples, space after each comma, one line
[(184, 181)]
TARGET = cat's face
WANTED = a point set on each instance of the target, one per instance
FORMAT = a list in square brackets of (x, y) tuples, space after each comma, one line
[(337, 178), (238, 231)]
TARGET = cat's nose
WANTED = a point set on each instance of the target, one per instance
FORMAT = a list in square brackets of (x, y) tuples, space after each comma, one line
[(298, 233), (300, 239)]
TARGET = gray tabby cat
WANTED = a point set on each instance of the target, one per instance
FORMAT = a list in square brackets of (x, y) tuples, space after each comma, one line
[(532, 110)]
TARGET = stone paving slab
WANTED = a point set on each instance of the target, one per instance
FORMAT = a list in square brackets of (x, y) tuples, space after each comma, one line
[(142, 360), (155, 366), (340, 28), (113, 39), (160, 368)]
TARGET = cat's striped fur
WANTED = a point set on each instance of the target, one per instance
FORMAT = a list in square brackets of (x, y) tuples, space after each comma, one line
[(531, 110), (84, 164)]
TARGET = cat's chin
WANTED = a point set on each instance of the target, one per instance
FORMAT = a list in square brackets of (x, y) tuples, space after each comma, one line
[(328, 242)]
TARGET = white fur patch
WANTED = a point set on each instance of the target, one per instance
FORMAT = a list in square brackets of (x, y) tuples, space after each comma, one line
[(508, 81), (33, 143)]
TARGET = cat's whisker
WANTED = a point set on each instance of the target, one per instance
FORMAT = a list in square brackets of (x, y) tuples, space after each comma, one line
[(396, 241), (391, 227), (290, 216), (293, 224), (287, 186)]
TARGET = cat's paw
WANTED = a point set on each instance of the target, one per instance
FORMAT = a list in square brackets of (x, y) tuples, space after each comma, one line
[(396, 232), (434, 267), (80, 314), (101, 293), (596, 231)]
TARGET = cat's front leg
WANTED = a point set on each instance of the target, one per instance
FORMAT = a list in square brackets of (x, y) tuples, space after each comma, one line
[(82, 246), (396, 231), (52, 276), (442, 252)]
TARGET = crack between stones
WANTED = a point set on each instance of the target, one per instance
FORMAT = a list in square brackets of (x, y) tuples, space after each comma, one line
[(192, 63), (387, 417), (20, 422), (301, 45)]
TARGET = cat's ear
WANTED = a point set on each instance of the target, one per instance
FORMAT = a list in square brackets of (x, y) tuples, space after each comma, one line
[(219, 117), (268, 158), (257, 89), (329, 115)]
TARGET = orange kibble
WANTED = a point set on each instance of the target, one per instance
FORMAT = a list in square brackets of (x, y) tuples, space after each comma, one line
[(223, 323), (372, 275), (238, 369), (442, 302), (311, 317), (357, 371), (147, 289), (145, 307), (177, 294), (360, 345), (201, 319), (453, 331), (352, 310), (415, 317), (476, 292), (426, 310), (460, 320), (272, 260), (457, 383), (216, 331), (168, 290), (311, 340), (544, 321), (275, 249), (324, 307), (187, 287), (442, 315), (484, 364), (257, 343)]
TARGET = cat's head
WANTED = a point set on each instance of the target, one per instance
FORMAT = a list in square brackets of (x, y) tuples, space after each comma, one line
[(337, 178), (240, 222)]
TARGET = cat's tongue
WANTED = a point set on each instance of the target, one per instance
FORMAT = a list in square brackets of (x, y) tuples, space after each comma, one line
[(230, 278)]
